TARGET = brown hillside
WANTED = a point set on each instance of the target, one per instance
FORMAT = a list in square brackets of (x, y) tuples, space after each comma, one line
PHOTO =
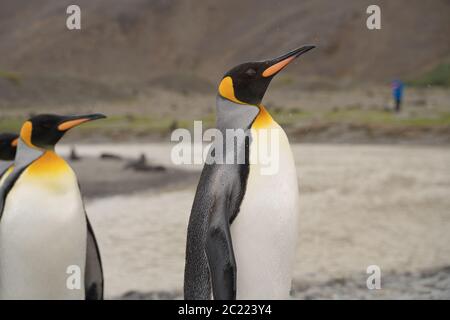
[(124, 45)]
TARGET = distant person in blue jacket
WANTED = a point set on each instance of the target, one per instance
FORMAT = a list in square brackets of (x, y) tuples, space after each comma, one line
[(397, 94)]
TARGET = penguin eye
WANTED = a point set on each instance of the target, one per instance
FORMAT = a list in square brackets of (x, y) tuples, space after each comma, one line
[(251, 72)]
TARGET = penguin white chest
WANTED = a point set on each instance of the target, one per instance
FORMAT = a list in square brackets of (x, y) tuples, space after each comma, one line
[(42, 234), (265, 232)]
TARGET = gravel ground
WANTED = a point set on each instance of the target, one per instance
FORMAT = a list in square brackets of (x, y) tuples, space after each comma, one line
[(360, 205), (429, 284)]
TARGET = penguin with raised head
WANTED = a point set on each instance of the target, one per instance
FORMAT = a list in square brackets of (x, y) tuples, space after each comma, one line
[(8, 147), (47, 246), (243, 227)]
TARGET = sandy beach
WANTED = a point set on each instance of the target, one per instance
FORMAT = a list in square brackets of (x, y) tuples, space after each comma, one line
[(360, 205)]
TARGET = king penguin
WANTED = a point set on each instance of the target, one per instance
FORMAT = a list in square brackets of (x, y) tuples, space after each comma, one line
[(242, 231), (47, 246), (8, 147)]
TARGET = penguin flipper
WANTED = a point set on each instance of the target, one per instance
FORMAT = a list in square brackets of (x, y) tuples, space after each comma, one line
[(93, 280), (4, 167), (22, 161), (219, 251), (7, 185)]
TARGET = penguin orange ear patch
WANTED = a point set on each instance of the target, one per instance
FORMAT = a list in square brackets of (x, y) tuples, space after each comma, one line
[(226, 90), (14, 142), (25, 133)]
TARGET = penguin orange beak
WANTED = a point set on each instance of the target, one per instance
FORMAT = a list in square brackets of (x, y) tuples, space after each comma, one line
[(15, 142), (73, 121), (278, 64)]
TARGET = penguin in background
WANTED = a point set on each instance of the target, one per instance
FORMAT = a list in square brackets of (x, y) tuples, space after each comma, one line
[(47, 246), (243, 227), (8, 147)]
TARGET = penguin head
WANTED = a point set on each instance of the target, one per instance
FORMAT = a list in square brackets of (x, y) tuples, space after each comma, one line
[(8, 146), (247, 83), (45, 130)]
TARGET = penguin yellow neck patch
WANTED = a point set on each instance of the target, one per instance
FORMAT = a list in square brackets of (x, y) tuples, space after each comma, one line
[(49, 165), (263, 119), (226, 90)]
